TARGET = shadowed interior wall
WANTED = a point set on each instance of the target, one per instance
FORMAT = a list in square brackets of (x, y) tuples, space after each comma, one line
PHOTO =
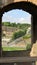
[(30, 8), (26, 63)]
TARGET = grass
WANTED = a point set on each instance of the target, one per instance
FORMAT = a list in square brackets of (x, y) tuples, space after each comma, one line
[(26, 36), (12, 48)]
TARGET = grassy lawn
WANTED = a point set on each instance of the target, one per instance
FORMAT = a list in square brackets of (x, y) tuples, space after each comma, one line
[(12, 48)]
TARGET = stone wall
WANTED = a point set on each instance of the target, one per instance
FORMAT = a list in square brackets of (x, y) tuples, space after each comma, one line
[(6, 2)]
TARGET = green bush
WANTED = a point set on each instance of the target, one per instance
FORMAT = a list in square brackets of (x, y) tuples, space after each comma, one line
[(28, 46), (18, 34)]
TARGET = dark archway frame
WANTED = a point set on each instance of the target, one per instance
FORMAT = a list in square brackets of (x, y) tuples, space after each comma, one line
[(28, 7)]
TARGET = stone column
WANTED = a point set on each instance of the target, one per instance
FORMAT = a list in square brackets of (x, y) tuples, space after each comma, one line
[(33, 24)]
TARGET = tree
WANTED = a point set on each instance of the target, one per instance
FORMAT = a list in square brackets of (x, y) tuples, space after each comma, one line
[(6, 23), (13, 24)]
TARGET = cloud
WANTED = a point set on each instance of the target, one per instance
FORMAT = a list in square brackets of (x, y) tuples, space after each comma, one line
[(23, 20), (19, 17)]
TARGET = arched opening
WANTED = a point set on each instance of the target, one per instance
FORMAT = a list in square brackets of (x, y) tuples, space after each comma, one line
[(16, 30), (28, 7)]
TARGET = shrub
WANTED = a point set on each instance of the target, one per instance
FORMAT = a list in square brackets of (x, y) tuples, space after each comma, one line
[(18, 34), (28, 46)]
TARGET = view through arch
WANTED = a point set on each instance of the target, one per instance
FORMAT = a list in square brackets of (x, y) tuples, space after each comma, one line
[(16, 30)]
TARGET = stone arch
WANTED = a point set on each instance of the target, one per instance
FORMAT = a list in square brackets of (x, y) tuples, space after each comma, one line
[(28, 7)]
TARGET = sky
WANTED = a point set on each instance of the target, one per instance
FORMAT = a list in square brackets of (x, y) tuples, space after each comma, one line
[(16, 15)]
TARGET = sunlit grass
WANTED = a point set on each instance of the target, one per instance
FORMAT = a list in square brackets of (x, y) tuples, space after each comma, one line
[(26, 36), (12, 48)]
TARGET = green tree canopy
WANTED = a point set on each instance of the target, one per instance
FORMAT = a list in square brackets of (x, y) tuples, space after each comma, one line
[(6, 23)]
